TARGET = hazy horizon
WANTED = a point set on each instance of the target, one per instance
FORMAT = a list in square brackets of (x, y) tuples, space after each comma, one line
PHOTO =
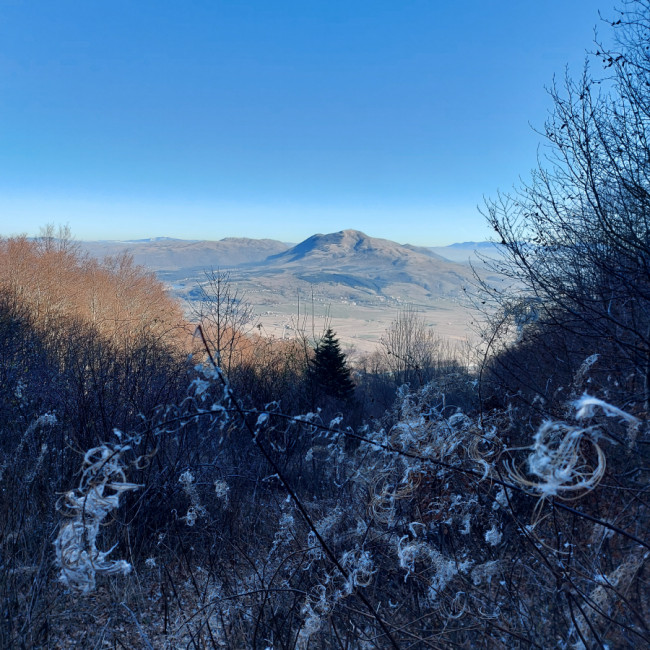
[(162, 238)]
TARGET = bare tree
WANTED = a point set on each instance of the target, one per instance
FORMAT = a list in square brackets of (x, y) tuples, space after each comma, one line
[(412, 350), (577, 236), (226, 317)]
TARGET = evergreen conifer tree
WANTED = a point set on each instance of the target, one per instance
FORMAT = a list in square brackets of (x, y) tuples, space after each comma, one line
[(329, 368)]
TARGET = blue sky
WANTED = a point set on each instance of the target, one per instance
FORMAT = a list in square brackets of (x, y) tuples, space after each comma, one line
[(207, 119)]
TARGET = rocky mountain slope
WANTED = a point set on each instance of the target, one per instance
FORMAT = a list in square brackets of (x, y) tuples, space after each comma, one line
[(353, 260)]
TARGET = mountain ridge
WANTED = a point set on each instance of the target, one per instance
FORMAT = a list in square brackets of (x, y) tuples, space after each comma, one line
[(164, 254), (343, 265), (344, 243), (157, 252)]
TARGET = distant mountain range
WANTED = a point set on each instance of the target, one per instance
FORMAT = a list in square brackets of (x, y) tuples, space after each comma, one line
[(360, 281), (342, 266), (469, 251), (168, 253)]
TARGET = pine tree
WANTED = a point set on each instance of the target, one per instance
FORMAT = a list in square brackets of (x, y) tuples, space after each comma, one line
[(329, 368)]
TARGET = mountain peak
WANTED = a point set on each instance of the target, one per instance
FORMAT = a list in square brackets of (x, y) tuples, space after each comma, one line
[(332, 245), (352, 234), (351, 246)]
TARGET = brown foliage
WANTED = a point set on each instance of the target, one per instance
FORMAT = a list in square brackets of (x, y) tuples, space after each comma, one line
[(122, 302)]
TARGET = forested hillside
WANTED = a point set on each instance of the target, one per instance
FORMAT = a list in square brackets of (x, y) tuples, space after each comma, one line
[(174, 484)]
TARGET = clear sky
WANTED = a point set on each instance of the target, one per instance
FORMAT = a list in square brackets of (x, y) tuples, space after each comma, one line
[(275, 118)]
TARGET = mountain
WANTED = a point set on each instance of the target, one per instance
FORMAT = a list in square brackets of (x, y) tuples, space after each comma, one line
[(166, 254), (348, 264), (349, 245), (470, 251), (153, 239), (351, 265), (357, 281)]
